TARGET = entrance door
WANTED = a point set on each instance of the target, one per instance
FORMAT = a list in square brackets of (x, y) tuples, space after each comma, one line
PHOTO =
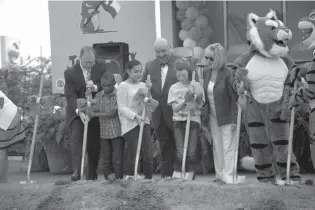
[(237, 12)]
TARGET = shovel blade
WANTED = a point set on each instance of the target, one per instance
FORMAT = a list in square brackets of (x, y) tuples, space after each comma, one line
[(241, 179), (189, 175), (177, 175)]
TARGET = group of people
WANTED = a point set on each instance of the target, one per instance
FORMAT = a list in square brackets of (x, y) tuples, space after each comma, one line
[(260, 82), (170, 93), (116, 117)]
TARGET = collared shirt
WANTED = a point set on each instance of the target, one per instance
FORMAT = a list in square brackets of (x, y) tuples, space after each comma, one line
[(86, 73), (164, 70), (109, 127), (87, 76)]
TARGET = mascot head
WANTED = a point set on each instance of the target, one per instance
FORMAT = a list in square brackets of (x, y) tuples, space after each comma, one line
[(307, 25), (268, 34)]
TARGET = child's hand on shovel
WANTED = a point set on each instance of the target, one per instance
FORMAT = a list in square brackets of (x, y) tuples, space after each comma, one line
[(139, 119)]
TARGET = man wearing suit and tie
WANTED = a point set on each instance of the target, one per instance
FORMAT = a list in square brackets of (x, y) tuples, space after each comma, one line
[(163, 76), (84, 74)]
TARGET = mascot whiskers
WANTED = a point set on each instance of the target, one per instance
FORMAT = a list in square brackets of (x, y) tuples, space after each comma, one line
[(265, 70)]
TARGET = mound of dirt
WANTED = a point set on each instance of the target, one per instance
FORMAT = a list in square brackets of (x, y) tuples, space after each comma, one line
[(163, 195)]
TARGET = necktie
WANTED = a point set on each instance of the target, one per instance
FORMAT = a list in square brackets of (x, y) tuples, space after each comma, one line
[(88, 75)]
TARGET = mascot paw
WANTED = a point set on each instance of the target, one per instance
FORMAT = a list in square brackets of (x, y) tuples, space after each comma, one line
[(241, 74), (285, 113)]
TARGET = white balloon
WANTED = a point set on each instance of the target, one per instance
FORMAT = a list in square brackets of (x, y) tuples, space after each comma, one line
[(188, 42), (198, 52), (183, 34)]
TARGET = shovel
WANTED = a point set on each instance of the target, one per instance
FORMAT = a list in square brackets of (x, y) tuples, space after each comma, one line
[(30, 161), (185, 175), (288, 180), (136, 176), (238, 179)]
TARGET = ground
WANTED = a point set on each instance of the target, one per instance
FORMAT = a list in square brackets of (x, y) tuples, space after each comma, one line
[(56, 192)]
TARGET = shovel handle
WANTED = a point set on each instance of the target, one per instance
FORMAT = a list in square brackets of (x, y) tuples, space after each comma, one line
[(290, 139), (140, 135), (187, 135)]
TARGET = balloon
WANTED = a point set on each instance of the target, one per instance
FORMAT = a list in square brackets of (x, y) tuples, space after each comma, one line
[(198, 53), (204, 11), (183, 34), (204, 42), (187, 24), (206, 32), (197, 4), (192, 13), (182, 4), (195, 33), (202, 21), (181, 15), (188, 42)]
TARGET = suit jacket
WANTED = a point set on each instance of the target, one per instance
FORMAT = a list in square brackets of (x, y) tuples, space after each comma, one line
[(75, 86), (153, 68), (225, 97)]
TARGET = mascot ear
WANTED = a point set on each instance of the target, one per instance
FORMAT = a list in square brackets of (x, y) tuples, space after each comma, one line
[(272, 15), (252, 19)]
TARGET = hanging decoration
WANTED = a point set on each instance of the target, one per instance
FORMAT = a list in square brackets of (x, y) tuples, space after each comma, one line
[(195, 29)]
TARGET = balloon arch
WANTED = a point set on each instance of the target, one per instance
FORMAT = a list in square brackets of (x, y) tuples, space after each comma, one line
[(194, 22)]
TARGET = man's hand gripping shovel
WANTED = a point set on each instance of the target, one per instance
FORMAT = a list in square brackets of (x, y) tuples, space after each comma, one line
[(85, 132), (186, 175)]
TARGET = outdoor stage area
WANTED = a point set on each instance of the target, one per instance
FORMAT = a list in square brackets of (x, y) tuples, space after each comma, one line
[(55, 192)]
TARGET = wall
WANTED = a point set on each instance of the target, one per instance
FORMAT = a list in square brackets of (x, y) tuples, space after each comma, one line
[(134, 23)]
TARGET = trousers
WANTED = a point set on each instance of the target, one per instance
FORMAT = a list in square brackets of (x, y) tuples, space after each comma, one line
[(269, 137), (224, 148), (93, 145), (131, 139)]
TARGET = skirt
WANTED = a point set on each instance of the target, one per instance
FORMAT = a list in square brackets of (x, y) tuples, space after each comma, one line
[(14, 134)]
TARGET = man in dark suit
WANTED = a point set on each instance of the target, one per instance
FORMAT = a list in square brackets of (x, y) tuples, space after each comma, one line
[(163, 76), (84, 74)]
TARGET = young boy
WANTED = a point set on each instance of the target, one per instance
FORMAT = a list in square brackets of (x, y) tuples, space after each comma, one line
[(112, 143)]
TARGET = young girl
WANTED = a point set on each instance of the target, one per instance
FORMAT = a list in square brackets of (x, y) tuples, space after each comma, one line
[(130, 111), (179, 97)]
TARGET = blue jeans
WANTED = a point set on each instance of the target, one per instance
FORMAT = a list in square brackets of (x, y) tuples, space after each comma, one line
[(179, 132)]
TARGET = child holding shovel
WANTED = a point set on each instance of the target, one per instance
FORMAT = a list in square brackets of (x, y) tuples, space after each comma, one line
[(112, 143), (183, 99), (132, 100)]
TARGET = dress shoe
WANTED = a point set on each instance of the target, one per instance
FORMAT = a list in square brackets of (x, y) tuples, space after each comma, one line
[(75, 176)]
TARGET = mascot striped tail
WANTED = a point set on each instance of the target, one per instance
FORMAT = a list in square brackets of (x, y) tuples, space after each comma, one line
[(11, 131)]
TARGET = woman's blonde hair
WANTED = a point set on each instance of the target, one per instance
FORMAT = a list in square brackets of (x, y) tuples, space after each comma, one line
[(219, 55)]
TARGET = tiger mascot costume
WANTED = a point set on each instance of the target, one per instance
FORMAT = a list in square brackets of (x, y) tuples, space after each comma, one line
[(266, 71), (306, 93)]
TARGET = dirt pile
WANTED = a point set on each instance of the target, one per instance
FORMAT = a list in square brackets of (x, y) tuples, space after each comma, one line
[(167, 195)]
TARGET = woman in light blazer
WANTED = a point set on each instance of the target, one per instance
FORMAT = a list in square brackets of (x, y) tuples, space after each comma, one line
[(221, 105)]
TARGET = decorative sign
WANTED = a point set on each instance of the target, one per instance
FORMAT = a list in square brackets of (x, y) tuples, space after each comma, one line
[(60, 83), (90, 15)]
